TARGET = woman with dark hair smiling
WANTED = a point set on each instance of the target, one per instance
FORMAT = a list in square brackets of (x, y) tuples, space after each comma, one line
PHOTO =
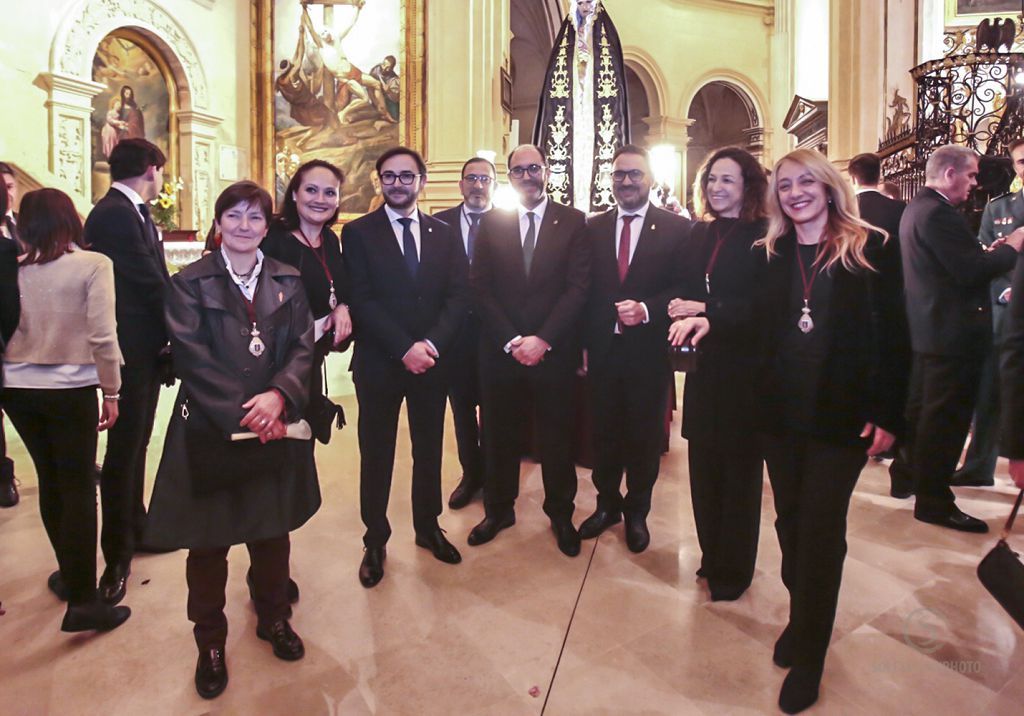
[(301, 236), (718, 404), (242, 339), (65, 347)]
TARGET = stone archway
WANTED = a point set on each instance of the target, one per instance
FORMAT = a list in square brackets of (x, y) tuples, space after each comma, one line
[(71, 89)]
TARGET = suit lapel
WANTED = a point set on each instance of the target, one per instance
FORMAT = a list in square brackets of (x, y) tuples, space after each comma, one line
[(431, 256), (384, 233), (548, 233)]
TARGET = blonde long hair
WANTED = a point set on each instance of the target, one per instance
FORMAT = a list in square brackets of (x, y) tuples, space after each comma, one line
[(846, 234)]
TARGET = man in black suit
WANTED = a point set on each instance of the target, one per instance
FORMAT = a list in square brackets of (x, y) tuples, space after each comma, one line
[(8, 486), (875, 207), (120, 227), (1002, 215), (637, 265), (946, 275), (409, 298), (477, 187), (530, 277)]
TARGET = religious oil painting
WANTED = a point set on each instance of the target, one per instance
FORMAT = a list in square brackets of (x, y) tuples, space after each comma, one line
[(342, 78), (135, 102), (971, 12)]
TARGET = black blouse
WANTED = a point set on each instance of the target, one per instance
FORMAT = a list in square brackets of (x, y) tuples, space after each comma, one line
[(282, 245)]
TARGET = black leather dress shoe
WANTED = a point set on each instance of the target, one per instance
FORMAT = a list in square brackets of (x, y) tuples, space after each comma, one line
[(567, 537), (489, 527), (637, 536), (955, 520), (287, 644), (114, 583), (371, 570), (782, 655), (95, 616), (799, 689), (967, 479), (8, 487), (293, 588), (598, 522), (463, 493), (211, 672), (55, 583), (439, 545), (725, 592)]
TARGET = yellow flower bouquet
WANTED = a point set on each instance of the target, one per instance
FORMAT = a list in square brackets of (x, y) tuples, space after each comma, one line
[(164, 208)]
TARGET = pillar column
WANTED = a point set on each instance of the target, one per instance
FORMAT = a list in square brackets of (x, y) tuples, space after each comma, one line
[(467, 47), (69, 107), (197, 132), (672, 131)]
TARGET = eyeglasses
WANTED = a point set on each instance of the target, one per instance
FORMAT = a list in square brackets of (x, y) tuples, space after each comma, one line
[(635, 175), (533, 170), (406, 178), (482, 179)]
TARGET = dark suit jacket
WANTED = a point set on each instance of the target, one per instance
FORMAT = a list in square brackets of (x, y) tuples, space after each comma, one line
[(10, 298), (946, 274), (656, 276), (549, 303), (390, 309), (866, 372), (1002, 215), (879, 210), (465, 344), (115, 229), (1011, 374)]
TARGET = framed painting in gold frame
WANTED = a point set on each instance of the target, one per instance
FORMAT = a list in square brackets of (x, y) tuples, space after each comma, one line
[(965, 13), (338, 80)]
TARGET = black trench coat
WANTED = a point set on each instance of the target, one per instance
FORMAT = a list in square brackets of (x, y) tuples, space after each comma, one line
[(209, 333)]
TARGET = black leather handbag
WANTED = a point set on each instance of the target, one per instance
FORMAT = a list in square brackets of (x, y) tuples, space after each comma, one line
[(1002, 572)]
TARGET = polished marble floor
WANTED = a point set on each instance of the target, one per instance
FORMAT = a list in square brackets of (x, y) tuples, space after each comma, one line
[(518, 628)]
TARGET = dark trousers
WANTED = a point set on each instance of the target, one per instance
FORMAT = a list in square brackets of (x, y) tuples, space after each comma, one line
[(812, 482), (58, 428), (725, 486), (123, 477), (380, 397), (983, 450), (6, 464), (510, 392), (943, 391), (628, 418), (464, 396), (206, 571)]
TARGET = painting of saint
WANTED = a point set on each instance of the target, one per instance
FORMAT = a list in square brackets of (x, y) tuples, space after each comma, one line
[(971, 7), (337, 87), (135, 103)]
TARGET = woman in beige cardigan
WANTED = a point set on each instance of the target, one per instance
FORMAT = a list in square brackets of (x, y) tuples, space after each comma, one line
[(65, 347)]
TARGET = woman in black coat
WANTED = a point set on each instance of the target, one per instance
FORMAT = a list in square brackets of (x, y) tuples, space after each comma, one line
[(832, 361), (726, 469), (242, 339), (301, 236)]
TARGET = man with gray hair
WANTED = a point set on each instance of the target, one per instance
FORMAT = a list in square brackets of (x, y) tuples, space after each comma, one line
[(947, 274)]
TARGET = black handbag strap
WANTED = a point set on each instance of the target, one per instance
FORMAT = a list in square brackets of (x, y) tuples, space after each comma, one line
[(1013, 516)]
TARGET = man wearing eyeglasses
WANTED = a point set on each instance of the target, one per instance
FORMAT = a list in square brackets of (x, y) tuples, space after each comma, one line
[(409, 298), (477, 187), (529, 278), (637, 265)]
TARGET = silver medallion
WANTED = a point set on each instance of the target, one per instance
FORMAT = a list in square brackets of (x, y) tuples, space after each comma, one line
[(256, 345), (332, 300), (805, 324)]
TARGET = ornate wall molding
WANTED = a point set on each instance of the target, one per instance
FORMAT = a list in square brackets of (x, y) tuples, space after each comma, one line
[(89, 21)]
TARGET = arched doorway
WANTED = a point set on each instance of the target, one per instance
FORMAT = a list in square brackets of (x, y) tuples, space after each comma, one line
[(723, 115), (534, 26), (639, 106)]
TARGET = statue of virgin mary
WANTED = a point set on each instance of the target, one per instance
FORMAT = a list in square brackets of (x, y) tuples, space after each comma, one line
[(583, 113)]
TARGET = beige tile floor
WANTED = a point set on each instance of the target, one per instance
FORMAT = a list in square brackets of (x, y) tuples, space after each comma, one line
[(518, 628)]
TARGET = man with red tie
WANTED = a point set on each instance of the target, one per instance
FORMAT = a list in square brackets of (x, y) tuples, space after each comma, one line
[(529, 279), (637, 266)]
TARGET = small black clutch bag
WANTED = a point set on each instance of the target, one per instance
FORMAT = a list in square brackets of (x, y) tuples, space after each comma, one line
[(1002, 573), (684, 357)]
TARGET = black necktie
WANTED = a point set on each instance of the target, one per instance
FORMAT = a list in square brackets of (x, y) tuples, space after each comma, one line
[(474, 225), (530, 243), (412, 260), (147, 220)]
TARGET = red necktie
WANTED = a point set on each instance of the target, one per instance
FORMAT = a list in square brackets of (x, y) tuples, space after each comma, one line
[(624, 242)]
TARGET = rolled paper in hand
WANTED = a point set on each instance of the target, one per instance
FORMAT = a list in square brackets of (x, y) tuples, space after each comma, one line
[(293, 431)]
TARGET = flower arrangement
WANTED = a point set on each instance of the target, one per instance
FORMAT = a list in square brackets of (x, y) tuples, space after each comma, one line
[(165, 206)]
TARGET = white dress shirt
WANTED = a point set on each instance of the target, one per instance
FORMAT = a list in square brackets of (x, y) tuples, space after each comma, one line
[(414, 227), (248, 285), (133, 197), (635, 227), (524, 223)]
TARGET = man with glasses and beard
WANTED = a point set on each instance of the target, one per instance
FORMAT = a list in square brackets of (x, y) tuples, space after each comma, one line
[(477, 187), (409, 299), (637, 266), (529, 278)]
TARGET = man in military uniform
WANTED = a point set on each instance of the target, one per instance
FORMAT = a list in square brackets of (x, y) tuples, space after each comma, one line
[(1002, 215)]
